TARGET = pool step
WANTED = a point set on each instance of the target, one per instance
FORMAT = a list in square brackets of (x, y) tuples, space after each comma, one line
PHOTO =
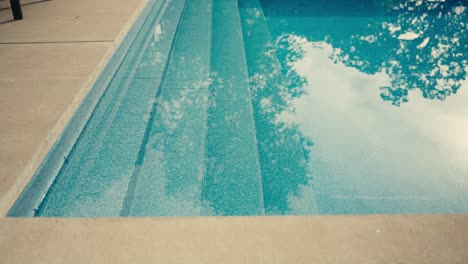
[(286, 177), (168, 177), (232, 184), (96, 174)]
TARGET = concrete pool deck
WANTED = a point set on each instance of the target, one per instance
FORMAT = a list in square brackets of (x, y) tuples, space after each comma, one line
[(48, 62), (315, 239)]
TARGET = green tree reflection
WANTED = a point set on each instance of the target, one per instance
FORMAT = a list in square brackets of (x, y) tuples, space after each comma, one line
[(419, 44), (283, 150)]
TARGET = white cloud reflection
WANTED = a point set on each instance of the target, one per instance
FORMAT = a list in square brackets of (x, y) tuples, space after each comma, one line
[(368, 148)]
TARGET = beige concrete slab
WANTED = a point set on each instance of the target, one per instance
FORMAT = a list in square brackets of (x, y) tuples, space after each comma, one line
[(72, 7), (38, 62), (320, 239), (69, 21)]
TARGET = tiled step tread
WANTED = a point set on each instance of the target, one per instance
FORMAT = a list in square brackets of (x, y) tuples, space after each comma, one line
[(169, 179), (232, 184)]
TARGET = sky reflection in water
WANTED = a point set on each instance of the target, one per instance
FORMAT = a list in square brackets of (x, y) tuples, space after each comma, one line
[(382, 97)]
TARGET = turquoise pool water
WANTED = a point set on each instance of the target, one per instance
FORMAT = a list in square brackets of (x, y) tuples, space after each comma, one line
[(226, 107)]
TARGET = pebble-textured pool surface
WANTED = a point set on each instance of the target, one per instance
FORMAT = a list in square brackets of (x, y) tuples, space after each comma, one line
[(273, 107)]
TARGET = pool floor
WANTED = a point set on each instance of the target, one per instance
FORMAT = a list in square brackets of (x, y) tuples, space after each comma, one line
[(277, 107)]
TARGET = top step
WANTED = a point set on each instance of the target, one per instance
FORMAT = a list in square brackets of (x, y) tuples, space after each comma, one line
[(232, 184), (168, 179), (284, 165)]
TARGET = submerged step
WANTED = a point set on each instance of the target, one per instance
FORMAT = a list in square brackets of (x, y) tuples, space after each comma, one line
[(232, 184), (286, 177), (95, 176), (168, 179)]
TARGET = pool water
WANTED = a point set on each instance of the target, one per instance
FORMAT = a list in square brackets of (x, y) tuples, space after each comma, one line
[(249, 107)]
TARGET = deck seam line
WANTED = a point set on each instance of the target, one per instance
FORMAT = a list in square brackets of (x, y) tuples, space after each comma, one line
[(57, 42)]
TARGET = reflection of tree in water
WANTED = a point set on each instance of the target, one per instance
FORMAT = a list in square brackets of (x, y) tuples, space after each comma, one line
[(283, 149), (420, 45)]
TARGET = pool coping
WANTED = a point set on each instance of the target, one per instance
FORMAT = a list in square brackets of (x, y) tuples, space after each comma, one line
[(348, 239)]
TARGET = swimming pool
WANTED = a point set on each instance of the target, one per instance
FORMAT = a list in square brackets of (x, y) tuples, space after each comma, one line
[(269, 108)]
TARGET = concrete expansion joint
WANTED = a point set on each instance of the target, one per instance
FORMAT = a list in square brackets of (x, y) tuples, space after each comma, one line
[(59, 42)]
